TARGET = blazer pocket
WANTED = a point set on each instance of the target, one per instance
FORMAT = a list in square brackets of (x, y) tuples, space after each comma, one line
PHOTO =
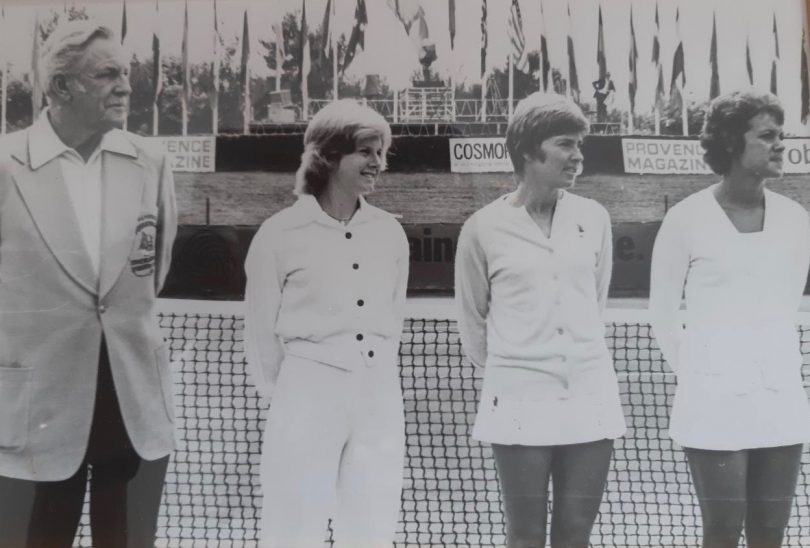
[(15, 406), (164, 372)]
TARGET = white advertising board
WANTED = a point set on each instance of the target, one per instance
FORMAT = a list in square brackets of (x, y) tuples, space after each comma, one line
[(195, 153), (479, 155), (682, 156)]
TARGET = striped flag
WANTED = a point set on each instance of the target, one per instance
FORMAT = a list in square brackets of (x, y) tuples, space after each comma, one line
[(36, 87), (124, 22), (517, 40), (600, 48), (714, 87), (484, 40), (244, 74), (656, 59), (573, 78), (451, 12), (358, 36), (775, 60), (545, 64), (632, 85), (425, 46), (748, 66), (327, 29), (184, 100), (805, 95)]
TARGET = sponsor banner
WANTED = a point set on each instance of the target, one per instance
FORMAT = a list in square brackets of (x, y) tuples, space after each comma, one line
[(663, 156), (480, 155), (433, 249), (683, 156), (433, 253), (191, 153), (632, 257)]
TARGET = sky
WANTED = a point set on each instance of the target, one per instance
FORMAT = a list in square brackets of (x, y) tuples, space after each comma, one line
[(390, 53)]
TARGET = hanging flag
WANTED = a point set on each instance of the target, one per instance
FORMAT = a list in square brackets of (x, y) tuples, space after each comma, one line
[(600, 48), (36, 88), (184, 58), (484, 40), (632, 85), (214, 97), (406, 11), (748, 66), (451, 7), (244, 70), (573, 79), (124, 22), (545, 64), (714, 86), (775, 59), (157, 68), (280, 54), (244, 74), (805, 95), (326, 28), (304, 60), (4, 92), (517, 40), (425, 46), (358, 36), (215, 58), (678, 73), (658, 102)]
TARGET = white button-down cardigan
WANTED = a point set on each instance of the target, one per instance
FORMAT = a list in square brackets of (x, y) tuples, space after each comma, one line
[(324, 291), (530, 312), (738, 360)]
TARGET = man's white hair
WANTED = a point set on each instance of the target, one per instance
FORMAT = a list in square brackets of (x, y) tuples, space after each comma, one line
[(64, 47)]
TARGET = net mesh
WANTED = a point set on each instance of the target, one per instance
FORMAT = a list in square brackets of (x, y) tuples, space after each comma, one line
[(212, 495)]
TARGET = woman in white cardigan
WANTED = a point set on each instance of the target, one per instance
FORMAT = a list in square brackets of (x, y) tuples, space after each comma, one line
[(325, 298), (739, 253), (532, 275)]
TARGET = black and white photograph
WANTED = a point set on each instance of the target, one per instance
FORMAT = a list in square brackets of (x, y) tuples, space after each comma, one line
[(404, 273)]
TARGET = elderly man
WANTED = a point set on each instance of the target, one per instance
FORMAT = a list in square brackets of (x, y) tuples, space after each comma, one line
[(87, 221)]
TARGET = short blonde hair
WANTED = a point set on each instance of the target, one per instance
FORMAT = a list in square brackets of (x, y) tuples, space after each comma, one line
[(538, 117), (333, 133), (65, 47)]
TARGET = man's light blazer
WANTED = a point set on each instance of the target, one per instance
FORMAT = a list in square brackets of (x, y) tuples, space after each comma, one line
[(54, 308)]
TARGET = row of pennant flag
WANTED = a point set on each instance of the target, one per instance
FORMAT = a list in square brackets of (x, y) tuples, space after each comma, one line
[(412, 16), (520, 59)]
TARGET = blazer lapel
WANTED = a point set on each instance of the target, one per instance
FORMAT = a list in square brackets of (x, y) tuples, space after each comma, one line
[(46, 196), (123, 180)]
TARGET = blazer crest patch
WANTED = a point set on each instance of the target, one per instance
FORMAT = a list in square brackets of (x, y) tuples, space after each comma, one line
[(142, 260)]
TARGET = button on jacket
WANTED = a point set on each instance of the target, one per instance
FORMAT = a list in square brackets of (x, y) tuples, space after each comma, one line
[(325, 291), (55, 306), (529, 309)]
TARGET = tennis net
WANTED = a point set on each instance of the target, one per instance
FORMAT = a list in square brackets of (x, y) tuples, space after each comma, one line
[(450, 497)]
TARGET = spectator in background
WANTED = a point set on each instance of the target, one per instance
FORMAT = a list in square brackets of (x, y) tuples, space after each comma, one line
[(532, 275), (325, 297), (740, 254), (87, 223)]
